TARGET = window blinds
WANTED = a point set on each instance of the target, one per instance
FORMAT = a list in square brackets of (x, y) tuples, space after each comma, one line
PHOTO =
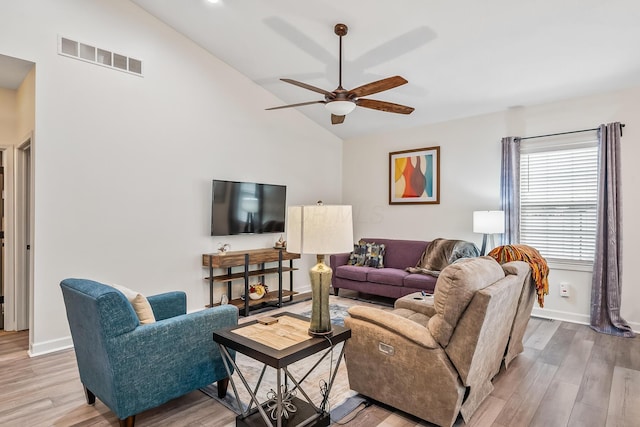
[(558, 196)]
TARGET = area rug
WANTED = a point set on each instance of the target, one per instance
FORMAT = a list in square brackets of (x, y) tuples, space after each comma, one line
[(337, 313), (313, 385)]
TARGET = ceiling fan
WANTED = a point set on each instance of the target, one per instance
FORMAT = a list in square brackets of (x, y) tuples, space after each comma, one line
[(341, 102)]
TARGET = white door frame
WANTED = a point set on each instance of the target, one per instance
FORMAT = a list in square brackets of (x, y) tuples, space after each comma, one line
[(24, 234), (18, 261)]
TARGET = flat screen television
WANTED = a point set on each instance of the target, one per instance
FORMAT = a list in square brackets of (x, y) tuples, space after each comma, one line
[(247, 208)]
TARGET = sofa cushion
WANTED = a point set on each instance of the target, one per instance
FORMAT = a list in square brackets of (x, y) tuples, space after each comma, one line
[(455, 288), (387, 276), (368, 254), (139, 302), (420, 281), (352, 272), (400, 253)]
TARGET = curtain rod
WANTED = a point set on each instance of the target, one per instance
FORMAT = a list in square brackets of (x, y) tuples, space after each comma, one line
[(562, 133)]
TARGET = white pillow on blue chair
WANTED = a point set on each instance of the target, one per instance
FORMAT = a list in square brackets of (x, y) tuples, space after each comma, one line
[(139, 302)]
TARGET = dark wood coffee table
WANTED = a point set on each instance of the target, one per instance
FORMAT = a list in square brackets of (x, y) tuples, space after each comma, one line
[(279, 345)]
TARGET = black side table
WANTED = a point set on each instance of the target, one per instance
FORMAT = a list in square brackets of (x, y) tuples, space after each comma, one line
[(279, 345)]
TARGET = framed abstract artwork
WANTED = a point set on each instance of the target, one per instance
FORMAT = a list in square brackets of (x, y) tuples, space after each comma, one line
[(414, 176)]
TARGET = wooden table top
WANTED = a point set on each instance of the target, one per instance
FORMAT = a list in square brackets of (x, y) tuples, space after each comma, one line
[(237, 258), (281, 343)]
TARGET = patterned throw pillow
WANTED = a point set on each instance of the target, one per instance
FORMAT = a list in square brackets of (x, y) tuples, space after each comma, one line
[(375, 255), (359, 255), (367, 254)]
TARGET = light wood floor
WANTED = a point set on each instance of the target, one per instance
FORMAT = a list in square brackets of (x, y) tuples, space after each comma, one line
[(568, 375)]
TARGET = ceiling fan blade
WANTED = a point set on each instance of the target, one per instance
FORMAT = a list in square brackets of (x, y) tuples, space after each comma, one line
[(336, 120), (296, 105), (388, 107), (309, 87), (378, 86)]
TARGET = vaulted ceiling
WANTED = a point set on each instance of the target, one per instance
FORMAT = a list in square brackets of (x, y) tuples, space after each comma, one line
[(461, 58)]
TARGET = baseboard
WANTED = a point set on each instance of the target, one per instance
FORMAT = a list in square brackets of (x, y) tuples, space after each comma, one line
[(38, 349), (565, 316), (635, 326)]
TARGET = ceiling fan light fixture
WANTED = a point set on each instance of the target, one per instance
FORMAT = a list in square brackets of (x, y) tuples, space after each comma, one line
[(340, 108)]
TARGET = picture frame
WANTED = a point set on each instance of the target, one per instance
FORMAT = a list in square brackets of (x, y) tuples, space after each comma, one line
[(414, 176)]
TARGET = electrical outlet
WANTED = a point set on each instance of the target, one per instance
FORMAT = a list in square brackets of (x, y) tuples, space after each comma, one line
[(564, 290)]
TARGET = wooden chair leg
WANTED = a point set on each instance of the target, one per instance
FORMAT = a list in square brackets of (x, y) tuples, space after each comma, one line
[(91, 398), (222, 387), (128, 422)]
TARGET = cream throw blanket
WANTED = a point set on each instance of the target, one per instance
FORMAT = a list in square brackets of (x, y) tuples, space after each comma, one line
[(442, 252)]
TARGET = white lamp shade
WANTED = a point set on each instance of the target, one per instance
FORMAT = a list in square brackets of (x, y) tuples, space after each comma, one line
[(340, 108), (320, 229), (488, 222)]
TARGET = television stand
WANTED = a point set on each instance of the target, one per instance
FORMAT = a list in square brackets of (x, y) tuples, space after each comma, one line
[(244, 259)]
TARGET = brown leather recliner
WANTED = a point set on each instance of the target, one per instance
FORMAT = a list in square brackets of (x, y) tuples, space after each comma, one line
[(435, 359)]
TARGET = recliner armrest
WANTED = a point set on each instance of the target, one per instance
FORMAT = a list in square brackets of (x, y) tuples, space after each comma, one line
[(424, 305), (397, 324), (168, 304)]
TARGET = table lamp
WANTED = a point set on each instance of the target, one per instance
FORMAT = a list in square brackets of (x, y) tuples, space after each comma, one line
[(488, 223), (320, 230)]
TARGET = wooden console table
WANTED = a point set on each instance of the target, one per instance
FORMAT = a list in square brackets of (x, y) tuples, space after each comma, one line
[(245, 259)]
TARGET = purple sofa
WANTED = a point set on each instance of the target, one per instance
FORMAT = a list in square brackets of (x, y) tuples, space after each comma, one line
[(392, 280)]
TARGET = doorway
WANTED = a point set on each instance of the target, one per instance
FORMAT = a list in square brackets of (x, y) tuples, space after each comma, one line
[(16, 189)]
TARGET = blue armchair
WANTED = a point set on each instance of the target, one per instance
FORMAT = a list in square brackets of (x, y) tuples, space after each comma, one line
[(133, 367)]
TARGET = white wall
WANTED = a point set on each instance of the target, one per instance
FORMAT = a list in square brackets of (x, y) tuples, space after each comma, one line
[(470, 180), (123, 164), (8, 116)]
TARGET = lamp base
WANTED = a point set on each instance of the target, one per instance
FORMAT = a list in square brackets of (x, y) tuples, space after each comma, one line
[(484, 250), (320, 275)]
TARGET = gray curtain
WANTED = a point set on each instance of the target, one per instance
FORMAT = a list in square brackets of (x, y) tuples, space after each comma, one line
[(510, 189), (607, 266)]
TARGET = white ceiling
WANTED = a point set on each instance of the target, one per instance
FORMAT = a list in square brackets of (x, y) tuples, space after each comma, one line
[(461, 58)]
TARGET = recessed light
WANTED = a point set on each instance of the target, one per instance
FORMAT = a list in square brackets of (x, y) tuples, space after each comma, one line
[(214, 1)]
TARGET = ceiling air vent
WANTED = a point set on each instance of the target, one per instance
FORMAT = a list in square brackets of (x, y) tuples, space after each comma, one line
[(98, 56)]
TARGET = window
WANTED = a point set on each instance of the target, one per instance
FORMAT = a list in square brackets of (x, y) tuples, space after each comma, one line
[(558, 197)]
